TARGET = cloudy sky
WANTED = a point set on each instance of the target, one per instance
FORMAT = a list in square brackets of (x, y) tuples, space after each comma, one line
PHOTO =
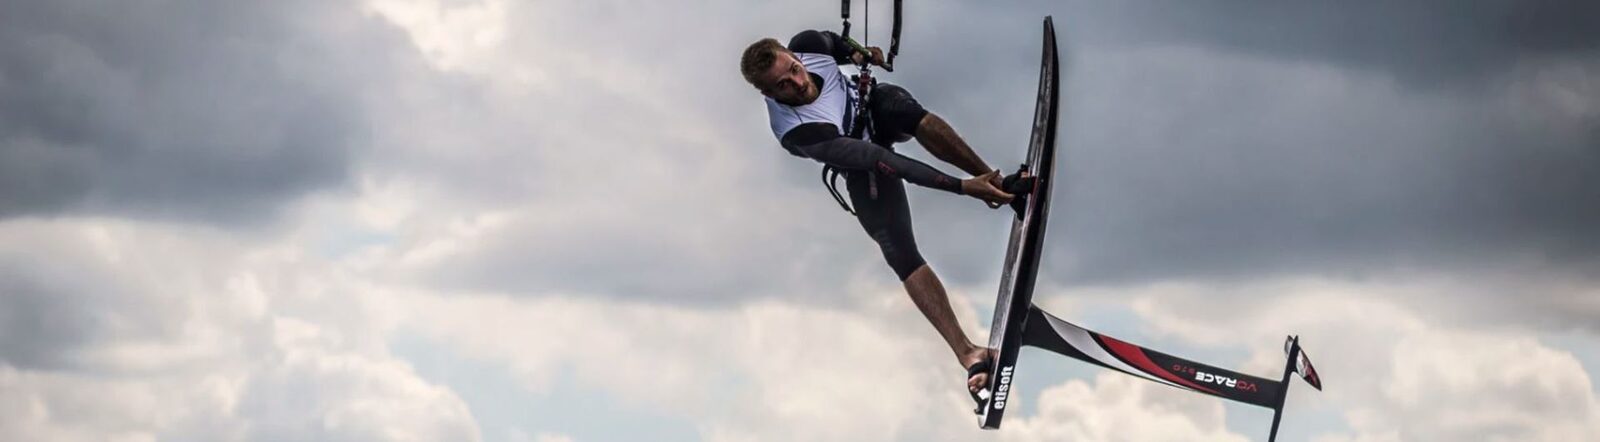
[(500, 220)]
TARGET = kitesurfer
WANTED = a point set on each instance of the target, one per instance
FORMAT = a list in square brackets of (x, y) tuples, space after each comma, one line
[(811, 106)]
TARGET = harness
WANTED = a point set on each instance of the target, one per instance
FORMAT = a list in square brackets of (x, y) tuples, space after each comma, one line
[(862, 118)]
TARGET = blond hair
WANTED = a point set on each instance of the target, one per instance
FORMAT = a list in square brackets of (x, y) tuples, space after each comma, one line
[(758, 58)]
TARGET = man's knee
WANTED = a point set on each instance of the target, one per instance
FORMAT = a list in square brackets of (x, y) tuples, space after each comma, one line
[(896, 114), (898, 247), (904, 262)]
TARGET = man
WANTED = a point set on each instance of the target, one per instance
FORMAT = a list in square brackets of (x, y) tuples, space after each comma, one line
[(811, 105)]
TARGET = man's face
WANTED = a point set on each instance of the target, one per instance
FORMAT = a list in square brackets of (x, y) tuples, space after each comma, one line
[(788, 82)]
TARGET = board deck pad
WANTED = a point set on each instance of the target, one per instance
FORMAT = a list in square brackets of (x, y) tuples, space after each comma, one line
[(1027, 241)]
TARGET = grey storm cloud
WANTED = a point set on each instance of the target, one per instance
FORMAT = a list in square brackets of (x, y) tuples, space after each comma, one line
[(1228, 169), (189, 110), (1223, 140), (1427, 41)]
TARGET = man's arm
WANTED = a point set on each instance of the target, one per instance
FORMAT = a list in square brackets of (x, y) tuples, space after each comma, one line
[(941, 140), (822, 142), (822, 42)]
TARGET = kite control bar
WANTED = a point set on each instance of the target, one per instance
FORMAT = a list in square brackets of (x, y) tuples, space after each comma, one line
[(894, 33), (864, 80)]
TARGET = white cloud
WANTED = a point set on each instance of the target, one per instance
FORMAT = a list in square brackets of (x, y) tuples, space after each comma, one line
[(518, 435), (551, 437), (157, 332), (262, 342), (779, 371), (1118, 407), (762, 371), (461, 35), (1395, 373), (1459, 385)]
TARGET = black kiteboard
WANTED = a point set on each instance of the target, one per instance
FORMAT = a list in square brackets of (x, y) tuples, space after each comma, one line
[(1027, 241)]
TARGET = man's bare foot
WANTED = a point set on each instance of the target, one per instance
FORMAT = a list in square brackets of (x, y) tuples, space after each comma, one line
[(973, 356)]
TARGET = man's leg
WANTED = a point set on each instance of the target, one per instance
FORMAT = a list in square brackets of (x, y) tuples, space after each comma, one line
[(941, 140), (928, 294), (886, 216), (897, 116)]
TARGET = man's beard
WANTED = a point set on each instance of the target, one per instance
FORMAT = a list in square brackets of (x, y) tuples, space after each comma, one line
[(810, 95)]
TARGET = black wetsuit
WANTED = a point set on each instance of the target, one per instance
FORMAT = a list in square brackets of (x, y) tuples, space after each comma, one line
[(872, 170)]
